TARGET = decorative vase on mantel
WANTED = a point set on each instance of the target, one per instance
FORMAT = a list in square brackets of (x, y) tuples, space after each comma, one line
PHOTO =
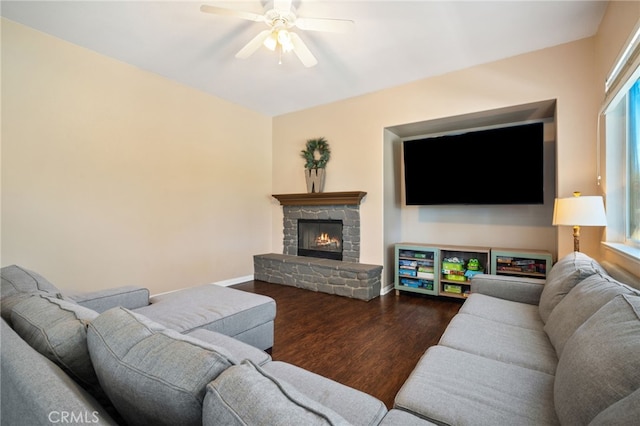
[(315, 180), (316, 156)]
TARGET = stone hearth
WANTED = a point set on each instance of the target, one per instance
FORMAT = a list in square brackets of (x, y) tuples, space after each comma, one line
[(345, 278), (350, 279)]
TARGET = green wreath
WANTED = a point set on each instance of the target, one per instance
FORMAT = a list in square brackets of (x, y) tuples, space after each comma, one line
[(324, 153)]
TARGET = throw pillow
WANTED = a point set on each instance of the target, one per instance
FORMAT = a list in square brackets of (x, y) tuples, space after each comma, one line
[(151, 374), (58, 330), (564, 275), (600, 365), (245, 395), (17, 284), (16, 279), (579, 304)]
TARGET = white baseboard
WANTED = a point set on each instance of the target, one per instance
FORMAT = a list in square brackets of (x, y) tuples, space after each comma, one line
[(224, 283), (233, 281), (386, 289), (165, 292)]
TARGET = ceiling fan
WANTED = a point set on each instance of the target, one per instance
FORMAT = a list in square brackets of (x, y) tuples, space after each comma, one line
[(280, 17)]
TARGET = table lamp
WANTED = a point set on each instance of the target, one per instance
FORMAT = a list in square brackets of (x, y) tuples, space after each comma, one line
[(579, 211)]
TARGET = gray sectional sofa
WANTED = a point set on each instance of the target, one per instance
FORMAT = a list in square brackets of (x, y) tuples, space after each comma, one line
[(519, 352), (195, 356), (526, 352)]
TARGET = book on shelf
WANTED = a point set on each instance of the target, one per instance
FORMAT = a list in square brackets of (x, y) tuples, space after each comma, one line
[(409, 272), (426, 275), (524, 262)]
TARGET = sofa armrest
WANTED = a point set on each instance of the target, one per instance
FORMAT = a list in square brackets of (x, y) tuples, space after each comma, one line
[(130, 297), (516, 289)]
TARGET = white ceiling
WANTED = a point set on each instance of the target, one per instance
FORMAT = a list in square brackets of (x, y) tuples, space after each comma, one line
[(393, 42)]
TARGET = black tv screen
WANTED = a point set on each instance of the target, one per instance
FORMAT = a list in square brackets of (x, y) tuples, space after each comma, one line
[(495, 166)]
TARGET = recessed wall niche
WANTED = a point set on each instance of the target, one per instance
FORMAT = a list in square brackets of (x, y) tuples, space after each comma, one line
[(508, 226)]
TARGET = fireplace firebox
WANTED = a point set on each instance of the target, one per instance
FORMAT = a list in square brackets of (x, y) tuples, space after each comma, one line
[(320, 238)]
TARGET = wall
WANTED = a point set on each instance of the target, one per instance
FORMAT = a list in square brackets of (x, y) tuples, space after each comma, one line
[(112, 175), (355, 128)]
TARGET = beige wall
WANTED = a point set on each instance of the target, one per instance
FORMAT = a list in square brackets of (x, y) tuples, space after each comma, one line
[(355, 130), (112, 175)]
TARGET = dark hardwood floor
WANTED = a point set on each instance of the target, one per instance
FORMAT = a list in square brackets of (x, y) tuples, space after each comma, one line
[(371, 346)]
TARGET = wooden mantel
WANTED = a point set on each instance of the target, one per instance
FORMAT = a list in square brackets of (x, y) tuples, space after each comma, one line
[(321, 198)]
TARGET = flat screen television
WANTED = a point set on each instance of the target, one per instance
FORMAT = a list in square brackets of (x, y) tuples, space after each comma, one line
[(493, 166)]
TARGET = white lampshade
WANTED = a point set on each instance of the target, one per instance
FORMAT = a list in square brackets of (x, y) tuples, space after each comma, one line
[(579, 211)]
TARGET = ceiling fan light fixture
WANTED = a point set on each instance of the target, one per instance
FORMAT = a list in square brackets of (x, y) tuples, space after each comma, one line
[(271, 42), (285, 40)]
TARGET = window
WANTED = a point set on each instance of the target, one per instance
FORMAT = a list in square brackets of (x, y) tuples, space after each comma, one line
[(633, 157), (622, 122)]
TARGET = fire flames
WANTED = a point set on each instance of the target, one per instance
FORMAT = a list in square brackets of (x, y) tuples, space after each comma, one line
[(324, 240)]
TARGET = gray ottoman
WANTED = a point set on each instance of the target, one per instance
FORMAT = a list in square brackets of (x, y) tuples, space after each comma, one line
[(245, 316)]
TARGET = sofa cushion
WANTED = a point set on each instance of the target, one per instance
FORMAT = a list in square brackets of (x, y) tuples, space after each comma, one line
[(579, 304), (212, 307), (353, 405), (58, 330), (503, 311), (17, 284), (151, 374), (454, 387), (245, 395), (564, 275), (503, 342), (600, 366)]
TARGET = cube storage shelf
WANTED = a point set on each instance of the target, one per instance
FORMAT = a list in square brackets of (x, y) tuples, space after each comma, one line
[(416, 268), (522, 263), (447, 270), (459, 265)]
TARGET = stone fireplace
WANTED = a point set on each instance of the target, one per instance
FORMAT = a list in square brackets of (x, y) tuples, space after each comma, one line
[(349, 215), (323, 206), (315, 268)]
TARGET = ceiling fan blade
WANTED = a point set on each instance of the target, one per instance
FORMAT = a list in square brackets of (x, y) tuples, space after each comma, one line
[(250, 16), (283, 5), (253, 45), (302, 51), (321, 24)]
